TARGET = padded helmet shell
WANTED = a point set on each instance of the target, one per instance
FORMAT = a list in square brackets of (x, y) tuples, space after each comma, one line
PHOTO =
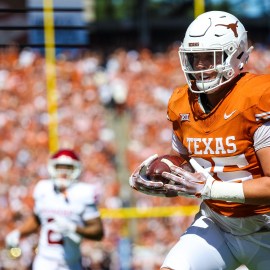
[(65, 157), (214, 31)]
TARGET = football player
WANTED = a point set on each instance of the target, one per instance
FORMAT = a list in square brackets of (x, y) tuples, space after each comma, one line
[(220, 123), (65, 210)]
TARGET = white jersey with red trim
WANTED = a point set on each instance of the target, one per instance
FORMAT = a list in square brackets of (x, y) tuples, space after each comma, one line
[(222, 140), (77, 204)]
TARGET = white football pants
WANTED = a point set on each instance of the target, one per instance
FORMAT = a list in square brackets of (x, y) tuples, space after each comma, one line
[(42, 263), (204, 246)]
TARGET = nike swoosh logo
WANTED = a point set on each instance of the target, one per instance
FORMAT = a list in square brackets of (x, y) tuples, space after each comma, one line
[(226, 116)]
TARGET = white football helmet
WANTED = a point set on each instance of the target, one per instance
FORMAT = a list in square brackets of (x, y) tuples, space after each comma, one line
[(223, 37), (64, 162)]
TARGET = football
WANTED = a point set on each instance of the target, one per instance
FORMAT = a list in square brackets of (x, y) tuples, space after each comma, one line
[(160, 165)]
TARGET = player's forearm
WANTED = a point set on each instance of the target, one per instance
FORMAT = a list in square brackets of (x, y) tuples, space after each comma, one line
[(257, 191), (29, 226), (90, 233), (254, 191), (93, 230)]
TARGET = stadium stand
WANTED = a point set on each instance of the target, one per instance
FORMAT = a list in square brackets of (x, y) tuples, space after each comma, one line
[(98, 98)]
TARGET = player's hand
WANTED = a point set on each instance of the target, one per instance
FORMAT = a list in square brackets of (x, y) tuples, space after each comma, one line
[(139, 181), (196, 184), (12, 239), (66, 227), (186, 183), (63, 225), (138, 177)]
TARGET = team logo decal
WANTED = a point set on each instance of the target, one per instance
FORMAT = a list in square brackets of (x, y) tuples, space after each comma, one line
[(193, 44), (184, 117), (232, 26)]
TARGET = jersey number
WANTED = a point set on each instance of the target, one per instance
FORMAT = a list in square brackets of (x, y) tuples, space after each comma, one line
[(220, 165), (54, 238)]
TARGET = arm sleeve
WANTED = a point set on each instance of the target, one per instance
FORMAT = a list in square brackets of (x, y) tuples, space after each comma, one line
[(262, 136), (91, 210), (178, 146)]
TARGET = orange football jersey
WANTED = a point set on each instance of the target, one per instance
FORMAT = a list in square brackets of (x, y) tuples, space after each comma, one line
[(222, 141)]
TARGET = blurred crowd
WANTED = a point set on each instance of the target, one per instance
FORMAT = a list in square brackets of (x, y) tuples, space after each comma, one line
[(94, 93)]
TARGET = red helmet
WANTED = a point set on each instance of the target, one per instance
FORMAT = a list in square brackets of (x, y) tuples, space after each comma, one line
[(67, 162)]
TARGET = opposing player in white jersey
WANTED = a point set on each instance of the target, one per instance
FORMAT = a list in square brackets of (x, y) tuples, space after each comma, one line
[(221, 124), (65, 210)]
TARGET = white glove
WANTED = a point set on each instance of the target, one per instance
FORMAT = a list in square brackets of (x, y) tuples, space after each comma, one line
[(202, 185), (139, 181), (13, 239), (189, 184), (65, 227)]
